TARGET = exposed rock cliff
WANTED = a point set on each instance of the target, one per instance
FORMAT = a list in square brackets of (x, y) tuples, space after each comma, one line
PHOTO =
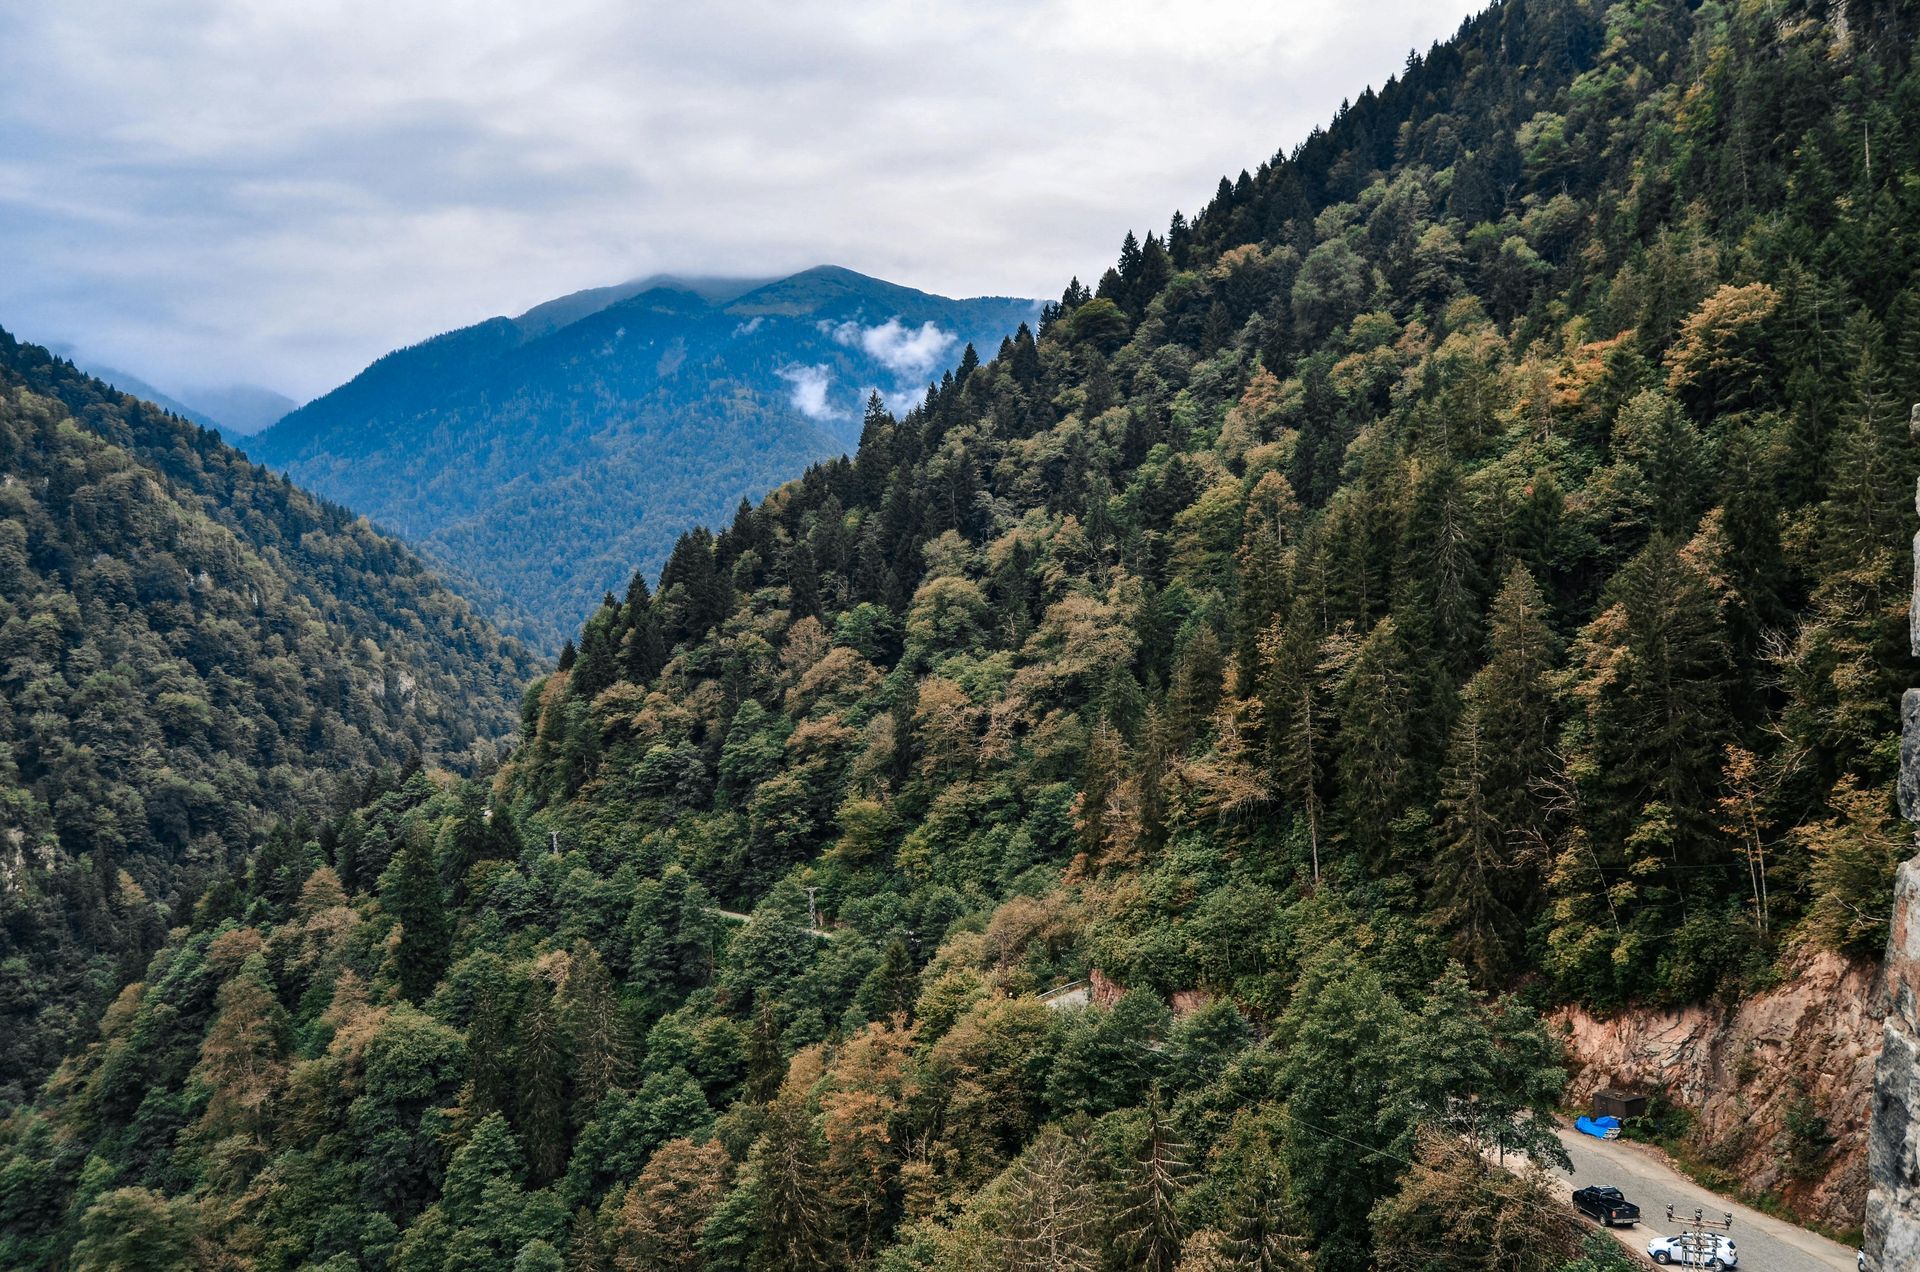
[(1893, 1154), (1751, 1075)]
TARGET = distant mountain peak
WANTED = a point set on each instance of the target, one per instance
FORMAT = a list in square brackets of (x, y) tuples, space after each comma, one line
[(618, 417)]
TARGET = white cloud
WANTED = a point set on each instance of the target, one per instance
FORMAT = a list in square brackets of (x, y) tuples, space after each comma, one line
[(350, 177), (903, 350), (809, 393), (899, 401)]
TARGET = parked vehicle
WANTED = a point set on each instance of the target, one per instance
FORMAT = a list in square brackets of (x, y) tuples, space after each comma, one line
[(1718, 1252), (1606, 1206)]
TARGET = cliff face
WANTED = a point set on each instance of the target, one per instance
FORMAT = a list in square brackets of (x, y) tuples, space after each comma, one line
[(1893, 1152), (1750, 1074)]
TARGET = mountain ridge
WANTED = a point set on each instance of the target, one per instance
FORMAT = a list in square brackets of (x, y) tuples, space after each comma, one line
[(232, 410), (673, 396)]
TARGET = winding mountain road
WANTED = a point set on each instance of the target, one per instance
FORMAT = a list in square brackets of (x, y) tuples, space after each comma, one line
[(1766, 1244)]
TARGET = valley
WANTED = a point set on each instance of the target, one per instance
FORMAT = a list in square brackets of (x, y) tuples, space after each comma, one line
[(1199, 774)]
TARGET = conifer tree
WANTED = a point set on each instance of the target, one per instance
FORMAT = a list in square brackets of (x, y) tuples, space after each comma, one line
[(1299, 714), (642, 650), (410, 891), (1151, 1224), (489, 1045), (788, 1160), (659, 1224), (590, 1018), (586, 1249), (766, 1063), (1341, 1032), (598, 663), (1260, 1238), (542, 1091), (1053, 1225), (1374, 765), (1493, 825), (1651, 688), (1441, 570), (282, 865)]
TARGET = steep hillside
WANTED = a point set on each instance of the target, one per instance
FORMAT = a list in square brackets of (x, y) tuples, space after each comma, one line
[(186, 646), (544, 457), (1457, 574)]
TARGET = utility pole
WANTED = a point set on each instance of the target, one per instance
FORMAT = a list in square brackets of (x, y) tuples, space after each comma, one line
[(1699, 1238)]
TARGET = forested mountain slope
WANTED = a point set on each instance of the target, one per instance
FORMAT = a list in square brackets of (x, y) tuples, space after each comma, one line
[(1457, 572), (187, 645), (543, 458)]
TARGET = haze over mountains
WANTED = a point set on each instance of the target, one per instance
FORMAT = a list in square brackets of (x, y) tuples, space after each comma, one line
[(232, 410), (543, 459)]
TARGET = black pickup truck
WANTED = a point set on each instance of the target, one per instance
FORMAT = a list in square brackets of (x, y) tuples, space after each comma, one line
[(1607, 1206)]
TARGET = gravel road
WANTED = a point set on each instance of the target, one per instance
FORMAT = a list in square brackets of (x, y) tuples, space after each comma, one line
[(1766, 1244)]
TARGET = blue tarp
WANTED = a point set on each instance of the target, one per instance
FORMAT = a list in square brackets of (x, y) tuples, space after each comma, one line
[(1598, 1127)]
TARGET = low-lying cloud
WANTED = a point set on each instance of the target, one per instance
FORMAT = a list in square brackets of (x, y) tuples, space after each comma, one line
[(903, 350), (347, 178), (809, 393)]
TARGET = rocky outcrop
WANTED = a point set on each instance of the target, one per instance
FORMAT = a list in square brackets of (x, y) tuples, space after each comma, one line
[(1893, 1153), (1754, 1076)]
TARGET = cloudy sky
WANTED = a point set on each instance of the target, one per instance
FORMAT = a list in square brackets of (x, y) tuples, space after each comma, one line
[(201, 191)]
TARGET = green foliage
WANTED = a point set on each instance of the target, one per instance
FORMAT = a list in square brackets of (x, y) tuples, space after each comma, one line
[(1456, 572), (664, 394), (191, 647)]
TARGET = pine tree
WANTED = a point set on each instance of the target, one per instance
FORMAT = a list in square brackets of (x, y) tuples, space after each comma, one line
[(803, 582), (893, 987), (1340, 1035), (590, 1018), (1493, 826), (1652, 690), (598, 663), (1261, 1235), (796, 1227), (586, 1250), (489, 1046), (1441, 571), (1374, 764), (1053, 1224), (543, 1066), (282, 865), (766, 1062), (642, 650), (660, 1222), (1151, 1225), (1470, 888), (410, 892), (1299, 721)]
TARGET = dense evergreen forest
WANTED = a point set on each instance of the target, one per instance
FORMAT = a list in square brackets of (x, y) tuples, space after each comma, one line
[(187, 645), (544, 458), (1455, 573)]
